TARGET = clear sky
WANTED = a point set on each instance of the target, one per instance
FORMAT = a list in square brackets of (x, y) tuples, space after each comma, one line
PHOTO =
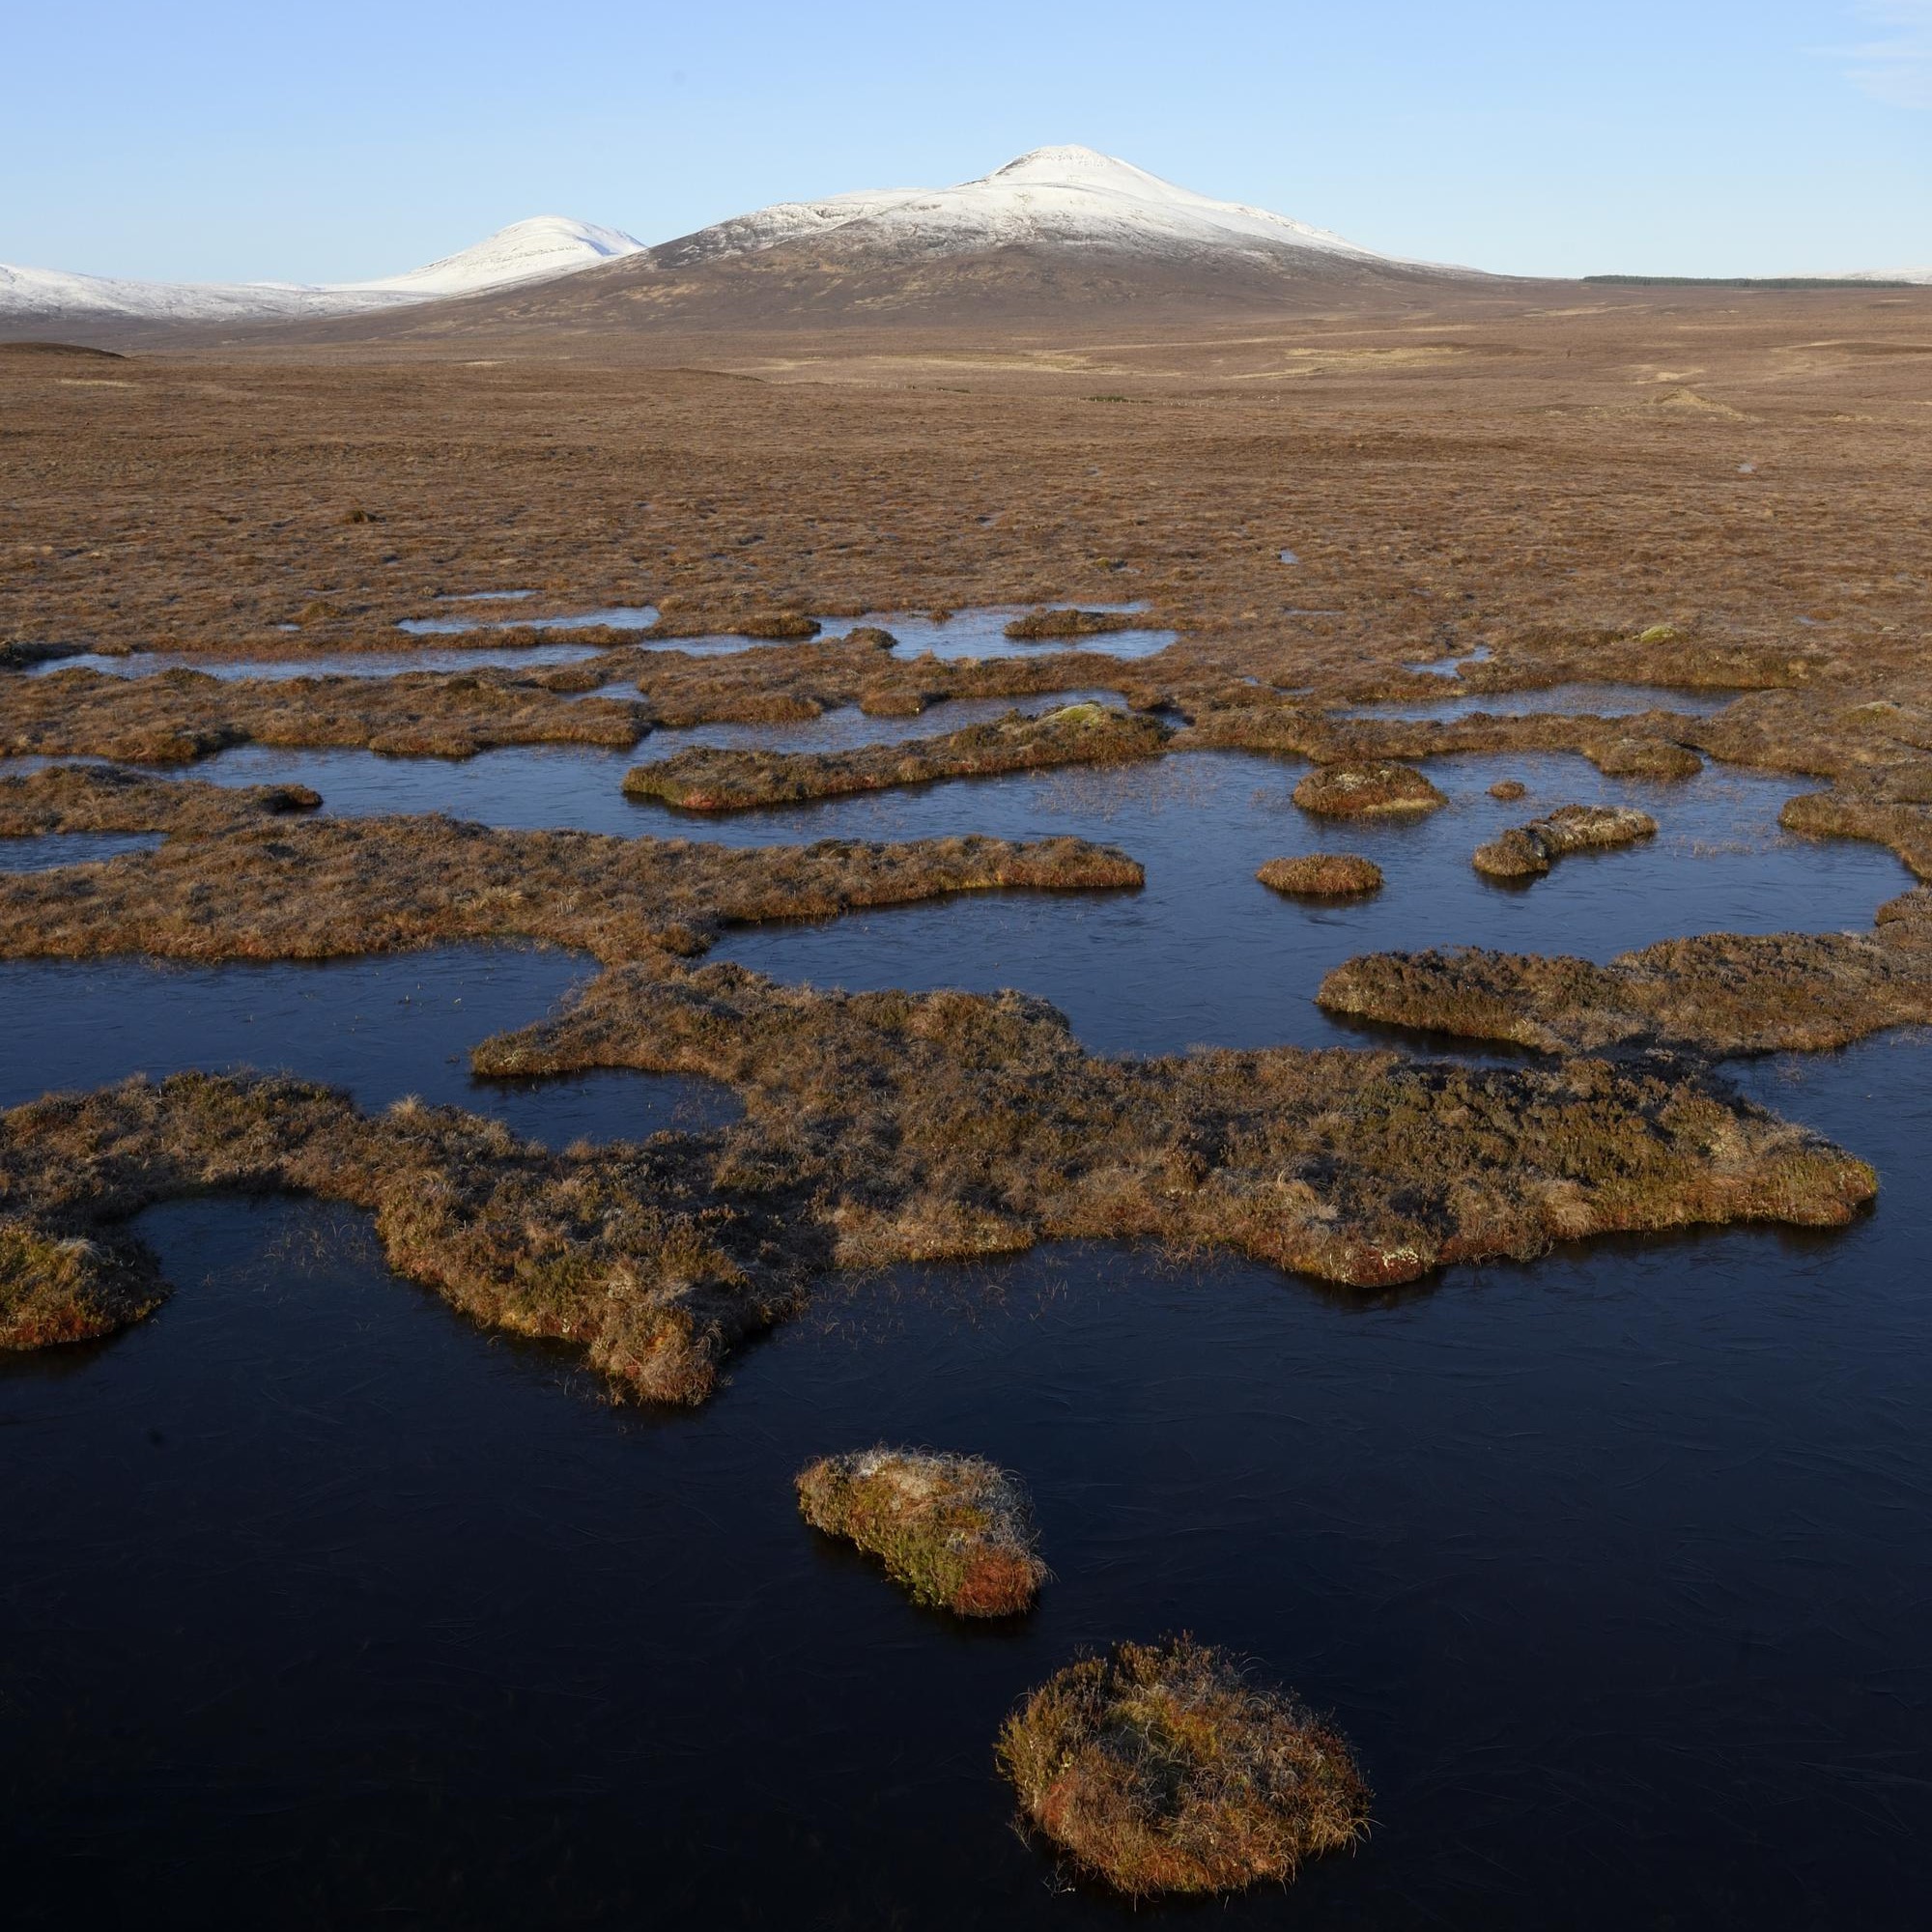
[(205, 139)]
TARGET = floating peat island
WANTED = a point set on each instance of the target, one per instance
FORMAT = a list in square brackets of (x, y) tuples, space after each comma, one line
[(957, 1531), (1322, 876), (1162, 1768), (1376, 788), (1528, 851)]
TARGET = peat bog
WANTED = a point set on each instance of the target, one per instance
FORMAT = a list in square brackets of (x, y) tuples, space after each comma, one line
[(1339, 1276)]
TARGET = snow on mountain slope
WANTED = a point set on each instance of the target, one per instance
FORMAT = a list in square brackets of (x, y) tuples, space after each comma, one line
[(535, 250), (1065, 196), (526, 251), (1924, 276)]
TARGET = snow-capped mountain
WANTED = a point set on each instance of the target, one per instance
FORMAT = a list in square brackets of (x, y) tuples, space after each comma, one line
[(526, 252), (1054, 197), (1922, 276)]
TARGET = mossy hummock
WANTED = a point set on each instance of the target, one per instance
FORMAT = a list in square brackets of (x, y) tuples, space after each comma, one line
[(957, 1531), (1159, 1768)]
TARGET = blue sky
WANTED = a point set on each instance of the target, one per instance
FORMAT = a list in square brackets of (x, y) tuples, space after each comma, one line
[(212, 140)]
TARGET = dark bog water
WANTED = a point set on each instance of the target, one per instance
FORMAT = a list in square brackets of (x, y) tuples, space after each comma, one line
[(69, 848), (320, 1605), (1204, 954), (381, 1028)]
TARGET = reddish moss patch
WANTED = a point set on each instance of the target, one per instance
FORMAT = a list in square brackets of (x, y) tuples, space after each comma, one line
[(1159, 1768), (957, 1530)]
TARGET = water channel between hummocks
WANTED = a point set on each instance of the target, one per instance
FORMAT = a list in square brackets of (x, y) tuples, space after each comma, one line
[(1612, 1566), (1204, 954)]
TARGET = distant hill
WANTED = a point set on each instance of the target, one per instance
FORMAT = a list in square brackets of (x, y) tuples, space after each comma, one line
[(541, 249), (1058, 228)]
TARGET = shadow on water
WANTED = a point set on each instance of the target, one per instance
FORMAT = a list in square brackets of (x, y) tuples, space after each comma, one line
[(1613, 1567)]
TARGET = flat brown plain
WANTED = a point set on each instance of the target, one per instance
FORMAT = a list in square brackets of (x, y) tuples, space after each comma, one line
[(1538, 466)]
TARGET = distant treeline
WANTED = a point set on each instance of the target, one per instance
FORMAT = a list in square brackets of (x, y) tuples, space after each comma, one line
[(1748, 282)]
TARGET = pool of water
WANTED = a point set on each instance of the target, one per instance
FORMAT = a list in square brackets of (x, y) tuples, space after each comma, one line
[(1612, 1567), (320, 1604), (982, 633), (1602, 701), (324, 664), (1204, 954), (35, 854), (381, 1028), (615, 617)]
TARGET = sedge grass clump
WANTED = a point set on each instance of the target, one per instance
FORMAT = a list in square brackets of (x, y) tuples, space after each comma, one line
[(1528, 851), (1373, 788), (956, 1530), (1159, 1768), (56, 1288), (1322, 876)]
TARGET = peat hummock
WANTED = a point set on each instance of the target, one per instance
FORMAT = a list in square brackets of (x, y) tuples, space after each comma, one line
[(1160, 1767), (957, 1531)]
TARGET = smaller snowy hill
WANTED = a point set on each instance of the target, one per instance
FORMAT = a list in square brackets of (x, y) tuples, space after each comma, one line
[(537, 251), (1920, 276)]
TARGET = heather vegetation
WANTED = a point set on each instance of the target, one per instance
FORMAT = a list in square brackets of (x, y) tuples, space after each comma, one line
[(957, 1531)]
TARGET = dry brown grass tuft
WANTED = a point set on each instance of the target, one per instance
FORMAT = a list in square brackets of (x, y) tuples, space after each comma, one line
[(1159, 1768), (1528, 851), (721, 780), (957, 1530), (1647, 758), (1043, 626), (1509, 790), (1322, 876), (1722, 993), (95, 798), (1377, 789)]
